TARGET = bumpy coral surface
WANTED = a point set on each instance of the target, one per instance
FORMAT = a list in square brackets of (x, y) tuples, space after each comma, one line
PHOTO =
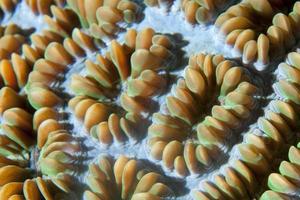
[(149, 100)]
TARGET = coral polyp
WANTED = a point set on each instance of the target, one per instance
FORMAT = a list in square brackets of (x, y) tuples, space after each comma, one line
[(207, 79), (197, 11), (260, 42), (102, 17), (149, 100), (124, 178), (36, 162), (138, 65)]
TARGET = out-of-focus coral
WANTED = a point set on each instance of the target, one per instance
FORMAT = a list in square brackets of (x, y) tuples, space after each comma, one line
[(202, 11), (43, 6), (62, 21), (158, 3), (8, 6)]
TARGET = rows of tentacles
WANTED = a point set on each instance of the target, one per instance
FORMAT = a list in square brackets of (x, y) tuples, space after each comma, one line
[(117, 97)]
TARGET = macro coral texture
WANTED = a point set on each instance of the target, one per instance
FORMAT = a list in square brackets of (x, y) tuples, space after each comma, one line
[(103, 100)]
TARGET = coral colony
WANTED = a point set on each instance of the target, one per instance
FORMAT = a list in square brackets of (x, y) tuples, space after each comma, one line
[(96, 104)]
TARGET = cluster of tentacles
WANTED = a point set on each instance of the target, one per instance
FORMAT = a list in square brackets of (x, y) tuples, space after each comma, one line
[(285, 184), (127, 91), (103, 17), (7, 6), (260, 42), (207, 79), (137, 66), (275, 131), (36, 6), (37, 154), (197, 11), (124, 178), (21, 54), (158, 3)]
